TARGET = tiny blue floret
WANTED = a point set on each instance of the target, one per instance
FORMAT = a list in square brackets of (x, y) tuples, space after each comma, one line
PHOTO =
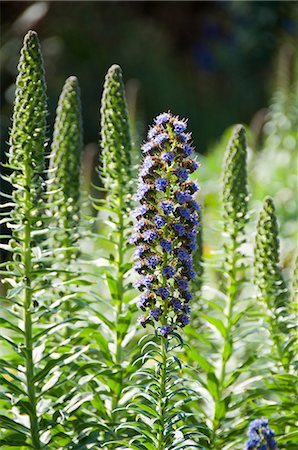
[(166, 245)]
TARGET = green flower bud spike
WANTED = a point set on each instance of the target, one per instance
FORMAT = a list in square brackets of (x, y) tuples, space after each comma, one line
[(268, 277), (65, 165), (235, 194), (26, 160), (234, 199), (115, 140)]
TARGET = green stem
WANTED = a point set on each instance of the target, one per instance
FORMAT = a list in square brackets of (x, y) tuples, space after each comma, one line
[(276, 340), (162, 396), (119, 334), (34, 428), (231, 294)]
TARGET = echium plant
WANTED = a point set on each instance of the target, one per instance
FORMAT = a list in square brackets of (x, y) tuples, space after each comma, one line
[(234, 200), (269, 279), (64, 170), (26, 160), (166, 227), (165, 236), (281, 319), (114, 222), (261, 437)]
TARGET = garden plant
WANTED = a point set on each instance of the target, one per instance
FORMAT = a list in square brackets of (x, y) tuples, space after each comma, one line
[(134, 318)]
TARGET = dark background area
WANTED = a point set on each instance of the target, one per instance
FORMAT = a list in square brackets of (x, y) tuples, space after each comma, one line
[(213, 62)]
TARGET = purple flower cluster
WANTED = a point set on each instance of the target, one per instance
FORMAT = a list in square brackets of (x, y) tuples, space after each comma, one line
[(261, 437), (166, 225)]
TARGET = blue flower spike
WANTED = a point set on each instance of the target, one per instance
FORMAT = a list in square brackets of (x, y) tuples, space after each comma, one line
[(166, 225), (260, 435)]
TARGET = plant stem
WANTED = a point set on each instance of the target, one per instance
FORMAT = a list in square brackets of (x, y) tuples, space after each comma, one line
[(118, 333), (34, 428), (162, 394), (231, 294)]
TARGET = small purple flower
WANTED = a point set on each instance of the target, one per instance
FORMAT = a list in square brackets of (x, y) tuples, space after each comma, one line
[(191, 187), (166, 245), (186, 309), (167, 207), (182, 174), (153, 261), (148, 163), (194, 166), (140, 211), (143, 320), (187, 149), (155, 313), (142, 302), (152, 132), (187, 296), (139, 251), (182, 283), (139, 225), (160, 138), (161, 184), (139, 266), (147, 281), (185, 137), (184, 320), (165, 330), (163, 292), (142, 191), (168, 157), (180, 196), (168, 271), (159, 221), (162, 118), (179, 126), (194, 219), (147, 147), (192, 274), (187, 263), (194, 205), (179, 229), (176, 304), (182, 254), (150, 235), (184, 212), (135, 237)]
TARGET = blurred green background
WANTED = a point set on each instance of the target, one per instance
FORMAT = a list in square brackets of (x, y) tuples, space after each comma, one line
[(214, 62)]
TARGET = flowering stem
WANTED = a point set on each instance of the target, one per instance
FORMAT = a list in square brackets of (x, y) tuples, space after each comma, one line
[(118, 333), (27, 258), (162, 393), (225, 355)]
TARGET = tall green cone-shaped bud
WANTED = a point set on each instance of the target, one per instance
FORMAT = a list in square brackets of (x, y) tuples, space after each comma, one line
[(235, 194), (65, 164), (115, 139), (268, 277), (26, 160), (27, 137)]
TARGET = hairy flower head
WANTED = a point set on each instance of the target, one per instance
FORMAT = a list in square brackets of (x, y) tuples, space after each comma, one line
[(260, 435), (166, 225)]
